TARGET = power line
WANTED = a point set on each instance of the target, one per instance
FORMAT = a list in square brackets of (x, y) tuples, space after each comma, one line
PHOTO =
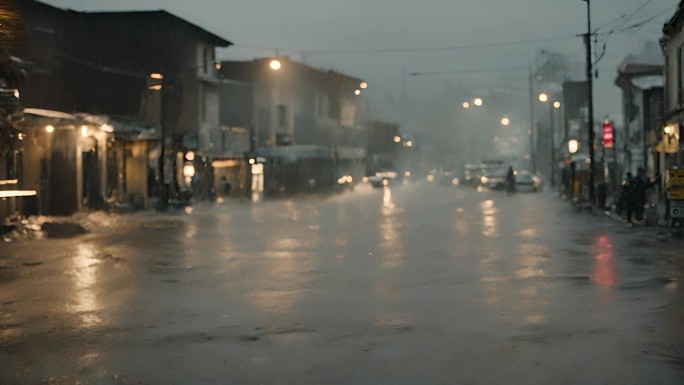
[(628, 18), (645, 22), (624, 17), (414, 49), (468, 71), (636, 26)]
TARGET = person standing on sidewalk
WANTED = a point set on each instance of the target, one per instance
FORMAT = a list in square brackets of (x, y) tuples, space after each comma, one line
[(640, 185)]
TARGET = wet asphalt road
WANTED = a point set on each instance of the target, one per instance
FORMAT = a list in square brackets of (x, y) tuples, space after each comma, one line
[(418, 284)]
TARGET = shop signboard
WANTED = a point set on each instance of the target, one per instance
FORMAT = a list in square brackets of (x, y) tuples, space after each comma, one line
[(675, 184)]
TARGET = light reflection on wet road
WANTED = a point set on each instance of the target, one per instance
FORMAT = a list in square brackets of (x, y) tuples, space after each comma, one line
[(409, 285)]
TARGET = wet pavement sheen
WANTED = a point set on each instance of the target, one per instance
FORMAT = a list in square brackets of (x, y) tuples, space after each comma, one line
[(418, 284)]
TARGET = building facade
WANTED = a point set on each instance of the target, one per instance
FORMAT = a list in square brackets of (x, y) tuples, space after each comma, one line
[(146, 70), (640, 77), (672, 44), (309, 125)]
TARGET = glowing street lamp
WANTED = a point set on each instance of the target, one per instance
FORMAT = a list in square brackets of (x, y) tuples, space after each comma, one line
[(505, 121), (357, 92), (397, 139), (156, 76), (478, 102), (466, 105), (49, 129), (275, 64), (573, 146), (545, 98), (363, 85)]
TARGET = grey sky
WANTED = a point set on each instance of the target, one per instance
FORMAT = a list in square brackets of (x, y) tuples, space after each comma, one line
[(371, 24)]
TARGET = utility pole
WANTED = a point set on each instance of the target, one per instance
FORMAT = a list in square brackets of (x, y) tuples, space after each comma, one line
[(590, 101), (553, 145), (534, 168), (163, 185)]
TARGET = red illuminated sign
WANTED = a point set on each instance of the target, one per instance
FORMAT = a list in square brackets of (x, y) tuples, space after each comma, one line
[(607, 134)]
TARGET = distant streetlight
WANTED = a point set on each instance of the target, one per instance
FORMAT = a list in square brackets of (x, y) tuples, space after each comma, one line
[(49, 128), (275, 64), (409, 143), (543, 97), (357, 92), (573, 146), (363, 85), (478, 102), (397, 139), (505, 121), (466, 105), (556, 105)]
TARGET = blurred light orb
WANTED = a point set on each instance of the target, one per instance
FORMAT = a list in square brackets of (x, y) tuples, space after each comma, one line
[(543, 97), (189, 170), (363, 85), (466, 105), (505, 121), (275, 64), (478, 102), (556, 105)]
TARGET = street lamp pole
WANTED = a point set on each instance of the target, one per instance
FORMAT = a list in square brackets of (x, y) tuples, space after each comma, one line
[(534, 168), (590, 101), (553, 146), (163, 186)]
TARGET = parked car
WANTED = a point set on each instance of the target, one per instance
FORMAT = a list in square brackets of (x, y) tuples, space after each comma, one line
[(526, 181)]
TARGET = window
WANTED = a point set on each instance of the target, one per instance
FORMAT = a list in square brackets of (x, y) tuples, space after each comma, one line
[(322, 105), (205, 61), (282, 116)]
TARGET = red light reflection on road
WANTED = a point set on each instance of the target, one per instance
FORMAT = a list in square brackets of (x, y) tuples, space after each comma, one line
[(603, 272)]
